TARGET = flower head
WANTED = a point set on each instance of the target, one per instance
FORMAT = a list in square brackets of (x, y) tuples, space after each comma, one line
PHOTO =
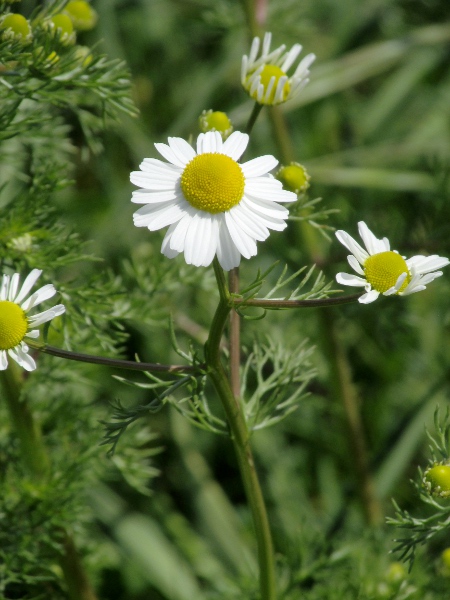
[(15, 323), (384, 271), (212, 204), (294, 177), (215, 121), (436, 480), (82, 15), (265, 78), (15, 26)]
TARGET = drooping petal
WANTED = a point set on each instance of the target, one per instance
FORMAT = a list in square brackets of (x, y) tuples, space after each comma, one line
[(47, 315), (369, 297), (30, 280), (355, 264), (3, 360), (352, 245), (243, 242), (350, 279)]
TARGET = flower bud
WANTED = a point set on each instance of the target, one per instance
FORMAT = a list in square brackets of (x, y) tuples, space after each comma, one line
[(82, 15), (62, 24), (436, 480), (15, 26), (294, 178), (215, 121)]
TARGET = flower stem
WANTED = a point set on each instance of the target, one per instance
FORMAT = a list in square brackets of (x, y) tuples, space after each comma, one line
[(241, 440), (37, 464)]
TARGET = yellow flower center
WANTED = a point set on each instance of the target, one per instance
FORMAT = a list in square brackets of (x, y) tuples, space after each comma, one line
[(267, 73), (13, 324), (383, 269), (213, 182)]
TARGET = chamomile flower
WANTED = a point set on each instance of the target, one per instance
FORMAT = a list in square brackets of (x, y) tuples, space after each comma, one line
[(265, 78), (382, 270), (212, 204), (15, 323)]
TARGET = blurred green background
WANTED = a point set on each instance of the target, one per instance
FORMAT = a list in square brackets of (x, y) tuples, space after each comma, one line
[(373, 130)]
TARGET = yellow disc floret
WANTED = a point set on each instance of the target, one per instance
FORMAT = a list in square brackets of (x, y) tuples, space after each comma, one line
[(266, 75), (13, 324), (383, 269), (213, 182)]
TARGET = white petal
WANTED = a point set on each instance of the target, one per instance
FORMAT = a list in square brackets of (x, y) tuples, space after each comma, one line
[(3, 360), (30, 280), (260, 213), (13, 285), (211, 141), (5, 287), (350, 279), (22, 358), (157, 216), (352, 245), (43, 293), (201, 239), (170, 155), (254, 50), (355, 264), (243, 242), (369, 297), (425, 264), (227, 253), (259, 166), (412, 290), (304, 65), (249, 222), (265, 207), (373, 244), (158, 168), (165, 248), (178, 236), (268, 189), (235, 145), (47, 315), (34, 333), (147, 197), (152, 182), (291, 56), (182, 150)]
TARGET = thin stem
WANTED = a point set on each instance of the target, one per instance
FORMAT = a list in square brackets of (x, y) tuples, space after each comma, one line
[(235, 337), (257, 108), (112, 362), (241, 440), (314, 303), (37, 464)]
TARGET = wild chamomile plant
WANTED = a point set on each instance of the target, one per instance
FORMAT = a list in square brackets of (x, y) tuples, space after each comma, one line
[(216, 207)]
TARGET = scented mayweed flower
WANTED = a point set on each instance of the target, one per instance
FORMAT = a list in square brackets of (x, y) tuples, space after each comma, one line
[(15, 324), (265, 79), (212, 204), (384, 271)]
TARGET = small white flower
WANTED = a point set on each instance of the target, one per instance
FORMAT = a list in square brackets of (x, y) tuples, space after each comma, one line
[(265, 78), (212, 204), (15, 324), (382, 270)]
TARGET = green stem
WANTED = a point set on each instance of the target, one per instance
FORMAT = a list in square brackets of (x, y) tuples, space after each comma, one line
[(241, 440), (257, 108), (37, 464)]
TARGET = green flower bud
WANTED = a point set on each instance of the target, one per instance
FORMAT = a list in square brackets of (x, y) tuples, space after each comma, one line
[(62, 24), (294, 178), (215, 121), (82, 14), (436, 480), (15, 26)]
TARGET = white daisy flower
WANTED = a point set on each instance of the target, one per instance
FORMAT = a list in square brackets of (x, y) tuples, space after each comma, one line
[(265, 78), (212, 204), (382, 270), (15, 324)]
